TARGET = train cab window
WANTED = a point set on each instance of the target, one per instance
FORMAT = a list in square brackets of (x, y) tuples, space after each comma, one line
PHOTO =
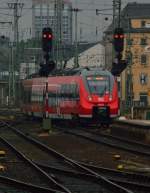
[(99, 85)]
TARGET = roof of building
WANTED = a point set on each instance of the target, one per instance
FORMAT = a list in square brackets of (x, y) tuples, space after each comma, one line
[(137, 10), (90, 57), (133, 11)]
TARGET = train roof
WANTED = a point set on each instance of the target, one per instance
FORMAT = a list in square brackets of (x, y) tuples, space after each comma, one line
[(79, 71), (76, 71)]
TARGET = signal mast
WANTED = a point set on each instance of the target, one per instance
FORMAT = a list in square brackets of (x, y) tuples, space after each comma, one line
[(118, 40)]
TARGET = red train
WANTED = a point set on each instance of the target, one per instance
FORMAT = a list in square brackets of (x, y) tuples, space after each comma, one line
[(78, 93)]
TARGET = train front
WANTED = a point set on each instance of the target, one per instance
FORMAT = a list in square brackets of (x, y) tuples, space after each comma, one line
[(101, 96)]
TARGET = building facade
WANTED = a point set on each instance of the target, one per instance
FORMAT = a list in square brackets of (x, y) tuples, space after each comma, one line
[(135, 79), (92, 57), (44, 15)]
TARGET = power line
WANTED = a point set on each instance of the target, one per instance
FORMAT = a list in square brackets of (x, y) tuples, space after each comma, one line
[(12, 87), (83, 9)]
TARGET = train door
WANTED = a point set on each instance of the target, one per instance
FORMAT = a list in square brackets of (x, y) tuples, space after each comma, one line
[(58, 100), (45, 100)]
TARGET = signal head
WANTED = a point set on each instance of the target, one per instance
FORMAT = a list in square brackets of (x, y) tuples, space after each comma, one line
[(44, 35), (49, 36), (116, 36), (121, 36), (118, 39), (47, 39)]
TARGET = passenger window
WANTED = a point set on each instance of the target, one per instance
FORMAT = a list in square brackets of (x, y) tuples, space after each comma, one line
[(75, 91), (68, 92), (62, 90)]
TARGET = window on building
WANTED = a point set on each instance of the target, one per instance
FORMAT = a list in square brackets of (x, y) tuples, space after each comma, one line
[(143, 99), (37, 10), (37, 17), (143, 59), (143, 78), (143, 41), (143, 23)]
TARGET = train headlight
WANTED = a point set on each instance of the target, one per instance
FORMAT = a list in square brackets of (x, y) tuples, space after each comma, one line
[(110, 98), (100, 99), (89, 98)]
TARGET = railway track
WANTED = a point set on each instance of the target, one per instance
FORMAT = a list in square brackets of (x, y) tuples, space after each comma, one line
[(101, 185), (21, 171), (124, 179), (137, 183), (112, 141)]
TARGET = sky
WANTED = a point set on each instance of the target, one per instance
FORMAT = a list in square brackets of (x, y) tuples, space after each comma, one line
[(89, 24)]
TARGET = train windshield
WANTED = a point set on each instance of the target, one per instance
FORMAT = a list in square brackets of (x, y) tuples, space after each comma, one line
[(99, 85)]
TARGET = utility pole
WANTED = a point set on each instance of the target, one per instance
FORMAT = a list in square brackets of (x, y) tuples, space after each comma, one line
[(76, 59), (116, 13), (129, 86), (11, 83), (15, 6), (128, 74), (117, 24), (10, 78), (76, 37), (59, 6), (11, 70)]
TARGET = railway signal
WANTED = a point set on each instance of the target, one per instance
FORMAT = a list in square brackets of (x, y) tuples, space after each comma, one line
[(47, 39), (47, 43), (118, 67), (118, 38)]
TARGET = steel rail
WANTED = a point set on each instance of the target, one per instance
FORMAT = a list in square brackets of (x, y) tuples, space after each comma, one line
[(102, 180), (26, 186), (122, 139), (133, 124), (113, 142), (115, 173), (44, 174), (144, 187), (133, 180)]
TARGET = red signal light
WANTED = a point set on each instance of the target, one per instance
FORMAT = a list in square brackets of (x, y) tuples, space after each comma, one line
[(116, 36), (49, 36), (118, 41), (121, 36), (47, 39), (44, 35)]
